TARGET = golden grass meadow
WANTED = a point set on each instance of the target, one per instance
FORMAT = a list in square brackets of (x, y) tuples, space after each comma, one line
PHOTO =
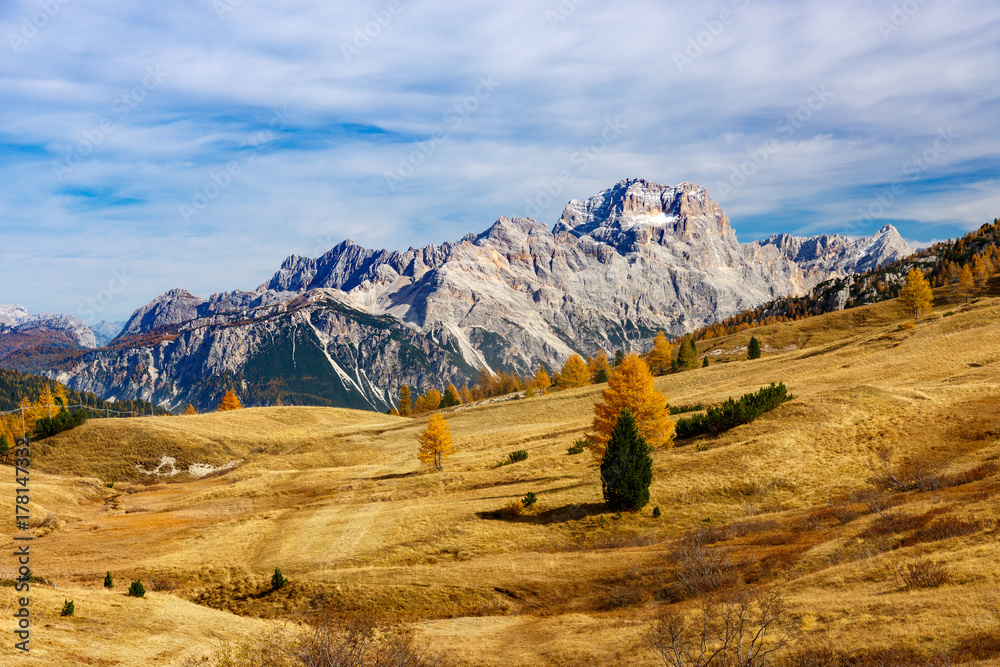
[(338, 500)]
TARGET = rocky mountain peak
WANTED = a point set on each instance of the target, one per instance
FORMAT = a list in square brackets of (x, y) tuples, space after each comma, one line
[(173, 307), (636, 212)]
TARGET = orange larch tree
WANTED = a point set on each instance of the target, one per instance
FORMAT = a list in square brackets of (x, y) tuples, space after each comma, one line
[(230, 401), (574, 373), (631, 387), (435, 442)]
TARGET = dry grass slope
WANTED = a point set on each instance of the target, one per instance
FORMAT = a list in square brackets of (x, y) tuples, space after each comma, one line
[(338, 500)]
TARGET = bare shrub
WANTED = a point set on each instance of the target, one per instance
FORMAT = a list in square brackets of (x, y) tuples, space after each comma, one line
[(630, 589), (915, 473), (843, 512), (698, 570), (161, 582), (923, 574), (357, 642), (627, 596), (740, 629), (704, 536)]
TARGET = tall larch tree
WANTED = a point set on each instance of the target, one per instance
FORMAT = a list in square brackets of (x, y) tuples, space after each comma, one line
[(230, 401), (435, 442), (430, 400), (685, 357), (981, 270), (542, 381), (916, 295), (966, 283), (631, 388), (574, 373), (45, 402), (600, 369), (405, 406), (660, 357), (190, 410), (465, 394), (451, 397)]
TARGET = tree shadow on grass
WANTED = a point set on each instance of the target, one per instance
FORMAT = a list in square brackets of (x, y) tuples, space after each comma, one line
[(395, 475), (571, 512)]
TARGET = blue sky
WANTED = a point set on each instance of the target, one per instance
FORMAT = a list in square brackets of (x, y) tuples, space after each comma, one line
[(196, 143)]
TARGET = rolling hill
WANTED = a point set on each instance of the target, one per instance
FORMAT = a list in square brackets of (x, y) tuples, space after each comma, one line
[(337, 499)]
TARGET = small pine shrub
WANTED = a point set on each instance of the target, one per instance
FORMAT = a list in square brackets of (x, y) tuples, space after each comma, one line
[(136, 589), (577, 447), (949, 313), (278, 579), (704, 364), (681, 409), (108, 581), (63, 421), (67, 609), (702, 447), (529, 499), (515, 457), (656, 512), (734, 412), (110, 485)]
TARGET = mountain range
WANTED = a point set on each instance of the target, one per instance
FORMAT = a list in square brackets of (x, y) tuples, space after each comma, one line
[(350, 327)]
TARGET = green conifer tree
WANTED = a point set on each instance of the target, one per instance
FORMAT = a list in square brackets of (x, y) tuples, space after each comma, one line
[(753, 350), (108, 581), (685, 357), (627, 468)]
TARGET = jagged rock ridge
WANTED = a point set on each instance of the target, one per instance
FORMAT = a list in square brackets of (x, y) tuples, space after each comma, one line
[(615, 269)]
